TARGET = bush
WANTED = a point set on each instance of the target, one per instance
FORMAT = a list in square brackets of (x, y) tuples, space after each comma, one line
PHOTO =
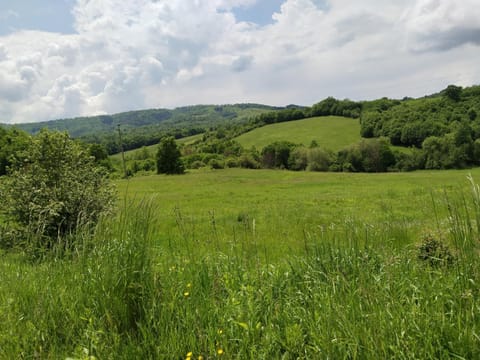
[(298, 159), (434, 253), (197, 164), (231, 163), (372, 155), (248, 161), (216, 164), (319, 159), (55, 188)]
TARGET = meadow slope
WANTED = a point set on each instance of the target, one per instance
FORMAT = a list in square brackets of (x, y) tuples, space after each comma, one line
[(330, 132)]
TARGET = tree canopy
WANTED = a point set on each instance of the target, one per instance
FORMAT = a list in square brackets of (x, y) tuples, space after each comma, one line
[(169, 157)]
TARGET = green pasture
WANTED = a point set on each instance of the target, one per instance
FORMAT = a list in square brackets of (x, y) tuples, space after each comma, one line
[(258, 264), (281, 210), (330, 132)]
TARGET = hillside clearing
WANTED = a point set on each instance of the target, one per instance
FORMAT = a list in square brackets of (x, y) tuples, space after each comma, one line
[(330, 132)]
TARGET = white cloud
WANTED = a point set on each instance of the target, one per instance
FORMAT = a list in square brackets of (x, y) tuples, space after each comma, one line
[(443, 24), (165, 53)]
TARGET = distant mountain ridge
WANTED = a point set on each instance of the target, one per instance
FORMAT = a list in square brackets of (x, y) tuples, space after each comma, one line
[(156, 119)]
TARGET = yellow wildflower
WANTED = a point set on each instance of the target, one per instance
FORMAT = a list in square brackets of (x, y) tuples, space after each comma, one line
[(220, 352)]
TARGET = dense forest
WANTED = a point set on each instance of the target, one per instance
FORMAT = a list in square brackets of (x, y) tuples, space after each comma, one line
[(445, 126)]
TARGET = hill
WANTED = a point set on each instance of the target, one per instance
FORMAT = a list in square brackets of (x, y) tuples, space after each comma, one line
[(146, 127), (331, 132), (190, 116)]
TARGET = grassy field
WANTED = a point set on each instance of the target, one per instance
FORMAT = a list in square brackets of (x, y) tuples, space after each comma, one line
[(287, 206), (259, 264), (330, 132)]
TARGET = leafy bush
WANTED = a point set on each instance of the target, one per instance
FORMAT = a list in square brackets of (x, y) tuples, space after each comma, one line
[(248, 161), (231, 163), (434, 252), (197, 164), (373, 155), (319, 159), (216, 164), (298, 159), (54, 188), (277, 154)]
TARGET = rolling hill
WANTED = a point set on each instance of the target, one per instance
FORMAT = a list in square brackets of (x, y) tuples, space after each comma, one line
[(331, 132), (190, 117)]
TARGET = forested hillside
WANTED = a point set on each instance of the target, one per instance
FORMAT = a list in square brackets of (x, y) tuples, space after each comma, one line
[(147, 127), (446, 126)]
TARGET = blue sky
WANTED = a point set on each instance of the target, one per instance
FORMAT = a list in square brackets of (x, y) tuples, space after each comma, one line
[(259, 13), (66, 58), (49, 15), (56, 15)]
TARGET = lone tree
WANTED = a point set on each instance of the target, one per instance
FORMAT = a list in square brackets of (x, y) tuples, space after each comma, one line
[(168, 157), (54, 188)]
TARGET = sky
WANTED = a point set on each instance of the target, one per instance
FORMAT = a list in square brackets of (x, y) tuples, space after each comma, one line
[(68, 58)]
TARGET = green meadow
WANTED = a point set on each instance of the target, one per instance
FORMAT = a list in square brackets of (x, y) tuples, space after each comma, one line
[(259, 264), (330, 132), (287, 206)]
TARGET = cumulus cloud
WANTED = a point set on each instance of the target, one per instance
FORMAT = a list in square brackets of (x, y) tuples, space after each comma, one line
[(443, 24), (242, 63), (157, 53), (3, 53)]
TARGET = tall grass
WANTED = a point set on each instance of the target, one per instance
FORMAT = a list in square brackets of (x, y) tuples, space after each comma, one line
[(357, 292)]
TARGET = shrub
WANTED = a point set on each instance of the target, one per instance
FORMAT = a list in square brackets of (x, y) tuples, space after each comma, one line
[(197, 164), (248, 161), (216, 164), (298, 159), (319, 159), (54, 188), (231, 163), (434, 252)]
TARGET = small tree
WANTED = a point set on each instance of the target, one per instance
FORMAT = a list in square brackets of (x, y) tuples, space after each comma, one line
[(54, 188), (168, 157)]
